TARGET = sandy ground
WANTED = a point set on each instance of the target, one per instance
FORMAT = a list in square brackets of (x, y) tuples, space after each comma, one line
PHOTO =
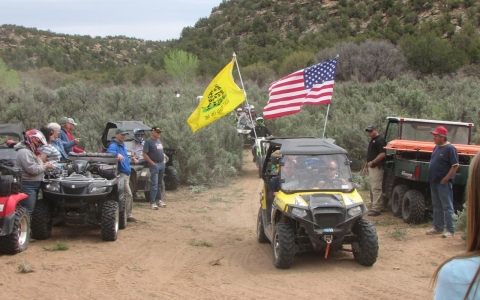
[(203, 246)]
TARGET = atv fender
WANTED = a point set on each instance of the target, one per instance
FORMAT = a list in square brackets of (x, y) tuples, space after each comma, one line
[(10, 203)]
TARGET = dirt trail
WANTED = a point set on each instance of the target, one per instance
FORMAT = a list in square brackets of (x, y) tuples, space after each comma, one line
[(164, 256)]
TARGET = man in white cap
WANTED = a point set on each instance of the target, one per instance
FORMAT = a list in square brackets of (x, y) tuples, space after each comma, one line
[(66, 135)]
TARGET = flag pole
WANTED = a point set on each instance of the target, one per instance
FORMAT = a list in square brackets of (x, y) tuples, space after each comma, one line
[(326, 118), (249, 116), (328, 108)]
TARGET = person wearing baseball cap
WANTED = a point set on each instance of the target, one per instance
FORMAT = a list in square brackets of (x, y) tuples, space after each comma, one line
[(117, 147), (374, 168), (441, 174), (69, 143), (153, 154)]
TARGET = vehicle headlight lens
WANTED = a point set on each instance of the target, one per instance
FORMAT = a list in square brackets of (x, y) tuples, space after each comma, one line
[(348, 200), (96, 189), (53, 186), (352, 212), (301, 213), (1, 207), (299, 201)]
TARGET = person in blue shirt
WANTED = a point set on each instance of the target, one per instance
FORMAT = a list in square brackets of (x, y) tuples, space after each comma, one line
[(459, 276), (117, 147), (441, 174)]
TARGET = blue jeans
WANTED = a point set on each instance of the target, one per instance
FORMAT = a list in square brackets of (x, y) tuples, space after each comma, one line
[(156, 177), (442, 201), (30, 188)]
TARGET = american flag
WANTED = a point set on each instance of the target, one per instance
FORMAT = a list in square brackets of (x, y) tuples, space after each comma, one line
[(312, 85)]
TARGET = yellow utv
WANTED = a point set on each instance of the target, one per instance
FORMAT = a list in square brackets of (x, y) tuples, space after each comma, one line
[(309, 202)]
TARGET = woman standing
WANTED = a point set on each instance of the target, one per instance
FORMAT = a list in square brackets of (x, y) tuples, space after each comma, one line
[(458, 277), (31, 165)]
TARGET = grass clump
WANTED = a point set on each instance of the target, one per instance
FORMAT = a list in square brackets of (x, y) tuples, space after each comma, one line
[(200, 243), (58, 246), (23, 267), (397, 233), (197, 189)]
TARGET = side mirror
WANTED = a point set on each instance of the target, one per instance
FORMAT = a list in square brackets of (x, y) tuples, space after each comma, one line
[(355, 165)]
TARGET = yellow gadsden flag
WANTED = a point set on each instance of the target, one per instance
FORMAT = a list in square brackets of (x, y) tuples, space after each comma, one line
[(220, 98)]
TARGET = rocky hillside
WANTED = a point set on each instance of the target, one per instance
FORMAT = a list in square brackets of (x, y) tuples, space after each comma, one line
[(264, 31)]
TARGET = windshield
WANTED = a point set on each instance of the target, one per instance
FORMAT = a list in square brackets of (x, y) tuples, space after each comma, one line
[(422, 132), (312, 172)]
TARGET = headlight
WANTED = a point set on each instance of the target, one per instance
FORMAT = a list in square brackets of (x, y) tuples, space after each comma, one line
[(53, 186), (96, 189), (352, 212), (299, 201), (348, 200), (1, 207), (301, 213)]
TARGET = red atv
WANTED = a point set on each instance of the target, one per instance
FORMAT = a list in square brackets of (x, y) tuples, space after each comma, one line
[(14, 219)]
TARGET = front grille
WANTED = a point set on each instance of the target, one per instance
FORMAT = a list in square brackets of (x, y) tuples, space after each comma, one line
[(327, 221), (328, 217), (74, 191)]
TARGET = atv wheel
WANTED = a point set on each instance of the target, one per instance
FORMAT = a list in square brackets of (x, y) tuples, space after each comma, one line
[(261, 237), (283, 246), (41, 221), (17, 241), (413, 207), (110, 220), (397, 199), (367, 242), (171, 178)]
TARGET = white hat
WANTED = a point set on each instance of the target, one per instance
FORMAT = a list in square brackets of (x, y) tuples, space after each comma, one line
[(71, 121)]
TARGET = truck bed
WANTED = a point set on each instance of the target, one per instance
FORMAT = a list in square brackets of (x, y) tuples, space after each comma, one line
[(427, 147)]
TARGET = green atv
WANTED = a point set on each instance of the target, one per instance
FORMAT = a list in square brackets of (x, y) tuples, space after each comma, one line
[(316, 209)]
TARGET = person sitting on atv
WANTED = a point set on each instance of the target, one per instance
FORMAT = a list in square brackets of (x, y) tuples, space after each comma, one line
[(331, 179), (244, 120), (287, 174), (238, 114), (136, 148), (260, 129)]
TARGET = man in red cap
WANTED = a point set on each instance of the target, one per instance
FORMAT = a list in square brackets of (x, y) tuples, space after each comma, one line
[(441, 174)]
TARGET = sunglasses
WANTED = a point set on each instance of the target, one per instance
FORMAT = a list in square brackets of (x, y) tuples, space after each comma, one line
[(331, 169)]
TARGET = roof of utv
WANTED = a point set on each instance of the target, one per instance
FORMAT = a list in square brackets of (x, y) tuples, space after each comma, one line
[(11, 129), (306, 146), (128, 125)]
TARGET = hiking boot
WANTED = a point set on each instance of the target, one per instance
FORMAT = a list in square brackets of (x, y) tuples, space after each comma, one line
[(448, 234), (154, 206), (374, 213), (161, 204), (433, 231), (131, 219)]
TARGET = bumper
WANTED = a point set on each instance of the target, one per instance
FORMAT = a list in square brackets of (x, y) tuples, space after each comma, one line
[(67, 198), (322, 222)]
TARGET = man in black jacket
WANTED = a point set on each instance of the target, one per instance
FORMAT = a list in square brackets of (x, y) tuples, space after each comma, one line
[(374, 167)]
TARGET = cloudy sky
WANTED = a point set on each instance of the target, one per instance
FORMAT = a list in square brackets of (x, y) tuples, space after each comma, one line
[(145, 19)]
